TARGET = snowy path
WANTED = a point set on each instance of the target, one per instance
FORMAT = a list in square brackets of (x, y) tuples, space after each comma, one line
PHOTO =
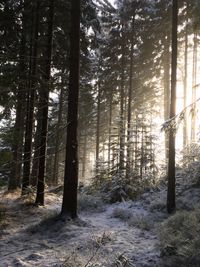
[(97, 239)]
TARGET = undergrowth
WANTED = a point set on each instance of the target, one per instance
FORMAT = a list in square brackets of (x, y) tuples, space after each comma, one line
[(140, 221), (179, 239), (2, 218), (87, 202), (2, 212)]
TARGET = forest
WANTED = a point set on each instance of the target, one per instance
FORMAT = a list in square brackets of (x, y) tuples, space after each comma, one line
[(99, 133)]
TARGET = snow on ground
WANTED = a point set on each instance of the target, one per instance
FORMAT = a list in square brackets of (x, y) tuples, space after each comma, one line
[(32, 236)]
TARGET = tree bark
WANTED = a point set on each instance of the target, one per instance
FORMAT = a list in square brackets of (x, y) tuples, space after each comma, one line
[(35, 164), (44, 101), (171, 194), (122, 100), (69, 205), (130, 104), (98, 130), (18, 131), (166, 90), (30, 104), (185, 124), (58, 138), (110, 130), (84, 155), (194, 82)]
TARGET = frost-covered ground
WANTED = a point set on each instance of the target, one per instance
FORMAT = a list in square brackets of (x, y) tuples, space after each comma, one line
[(111, 236), (106, 235)]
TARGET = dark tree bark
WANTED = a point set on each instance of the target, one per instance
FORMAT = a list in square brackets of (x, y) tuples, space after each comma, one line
[(136, 143), (185, 130), (58, 138), (69, 205), (166, 90), (98, 129), (122, 101), (84, 155), (110, 130), (30, 103), (43, 106), (35, 164), (130, 103), (18, 131), (171, 194)]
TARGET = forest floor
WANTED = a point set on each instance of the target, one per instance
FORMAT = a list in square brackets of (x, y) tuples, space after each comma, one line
[(110, 235), (32, 236)]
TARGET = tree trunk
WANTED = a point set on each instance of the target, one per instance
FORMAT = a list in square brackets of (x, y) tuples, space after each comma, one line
[(34, 172), (30, 104), (194, 82), (122, 100), (98, 130), (129, 118), (110, 131), (43, 105), (171, 195), (166, 90), (58, 138), (69, 205), (84, 155), (185, 130), (18, 131)]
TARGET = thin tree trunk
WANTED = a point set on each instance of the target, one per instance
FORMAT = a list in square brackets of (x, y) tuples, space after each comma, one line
[(136, 143), (110, 132), (98, 129), (171, 194), (166, 91), (34, 172), (185, 126), (122, 99), (44, 101), (142, 149), (58, 138), (69, 205), (194, 82), (130, 104), (84, 155)]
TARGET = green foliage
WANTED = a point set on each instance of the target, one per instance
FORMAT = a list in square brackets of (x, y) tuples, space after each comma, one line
[(179, 239)]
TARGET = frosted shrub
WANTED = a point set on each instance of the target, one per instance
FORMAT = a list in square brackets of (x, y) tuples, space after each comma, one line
[(158, 205), (119, 189), (29, 195), (140, 221), (89, 202), (191, 163), (122, 214), (179, 239)]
